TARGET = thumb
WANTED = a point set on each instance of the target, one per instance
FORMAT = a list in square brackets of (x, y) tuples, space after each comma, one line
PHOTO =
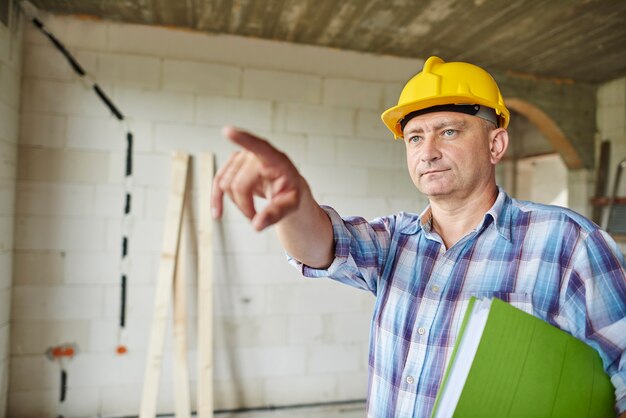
[(278, 207)]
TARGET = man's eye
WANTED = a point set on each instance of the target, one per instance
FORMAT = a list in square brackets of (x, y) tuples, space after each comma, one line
[(415, 139), (449, 132)]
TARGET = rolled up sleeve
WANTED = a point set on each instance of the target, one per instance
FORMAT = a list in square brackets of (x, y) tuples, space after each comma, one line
[(360, 251)]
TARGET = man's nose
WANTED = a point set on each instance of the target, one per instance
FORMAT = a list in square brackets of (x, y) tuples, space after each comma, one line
[(430, 149)]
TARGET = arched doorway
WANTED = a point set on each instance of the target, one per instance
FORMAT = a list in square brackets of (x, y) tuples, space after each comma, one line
[(550, 131), (540, 157), (532, 169)]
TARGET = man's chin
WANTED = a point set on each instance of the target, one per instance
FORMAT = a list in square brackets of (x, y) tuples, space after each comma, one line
[(434, 190)]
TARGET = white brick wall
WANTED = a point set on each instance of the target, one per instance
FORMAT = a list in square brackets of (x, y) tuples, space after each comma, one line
[(10, 115), (128, 69), (10, 75), (279, 339), (59, 97), (40, 129), (251, 114), (201, 77), (38, 267), (45, 61), (282, 86), (57, 302), (347, 93), (317, 120), (313, 389)]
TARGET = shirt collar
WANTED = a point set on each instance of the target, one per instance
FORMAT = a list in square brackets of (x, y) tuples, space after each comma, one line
[(423, 221), (500, 212)]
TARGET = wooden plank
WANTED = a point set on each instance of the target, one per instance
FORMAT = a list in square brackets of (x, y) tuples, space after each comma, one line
[(605, 200), (619, 237), (601, 179), (205, 291), (181, 375), (163, 294), (616, 216)]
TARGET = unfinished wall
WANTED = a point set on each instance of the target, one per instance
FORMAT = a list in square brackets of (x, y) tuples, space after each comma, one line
[(279, 339), (10, 68)]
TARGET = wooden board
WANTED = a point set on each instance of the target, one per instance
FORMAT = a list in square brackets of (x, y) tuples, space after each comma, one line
[(181, 374), (205, 291), (601, 179), (163, 294)]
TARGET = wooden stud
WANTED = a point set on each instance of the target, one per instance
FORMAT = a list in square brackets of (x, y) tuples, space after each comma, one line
[(205, 291), (181, 374), (163, 295), (602, 179)]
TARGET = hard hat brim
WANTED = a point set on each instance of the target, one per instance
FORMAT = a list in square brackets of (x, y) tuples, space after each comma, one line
[(392, 116)]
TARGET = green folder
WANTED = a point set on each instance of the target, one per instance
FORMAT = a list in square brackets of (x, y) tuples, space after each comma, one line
[(507, 363)]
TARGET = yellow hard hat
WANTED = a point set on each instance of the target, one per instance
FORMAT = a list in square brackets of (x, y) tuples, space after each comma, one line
[(441, 83)]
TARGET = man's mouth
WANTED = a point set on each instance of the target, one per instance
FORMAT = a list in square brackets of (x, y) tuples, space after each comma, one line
[(433, 171)]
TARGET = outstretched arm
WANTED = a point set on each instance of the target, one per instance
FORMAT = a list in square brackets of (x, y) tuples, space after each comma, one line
[(259, 169)]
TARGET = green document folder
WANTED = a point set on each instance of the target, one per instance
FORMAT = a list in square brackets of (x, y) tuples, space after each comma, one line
[(510, 364)]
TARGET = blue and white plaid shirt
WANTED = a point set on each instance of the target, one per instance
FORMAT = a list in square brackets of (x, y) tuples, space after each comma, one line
[(548, 261)]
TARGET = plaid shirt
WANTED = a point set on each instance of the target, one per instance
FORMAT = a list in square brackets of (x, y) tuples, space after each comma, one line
[(548, 261)]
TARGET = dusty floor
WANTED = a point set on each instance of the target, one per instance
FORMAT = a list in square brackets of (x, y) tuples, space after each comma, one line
[(351, 410)]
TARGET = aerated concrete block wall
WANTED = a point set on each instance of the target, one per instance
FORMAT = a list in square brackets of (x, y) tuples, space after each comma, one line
[(10, 68), (279, 339)]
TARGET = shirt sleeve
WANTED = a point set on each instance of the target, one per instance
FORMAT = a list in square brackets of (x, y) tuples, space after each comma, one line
[(595, 305), (361, 249)]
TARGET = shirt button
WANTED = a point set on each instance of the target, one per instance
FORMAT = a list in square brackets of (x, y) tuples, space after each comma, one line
[(421, 331), (410, 380), (435, 289)]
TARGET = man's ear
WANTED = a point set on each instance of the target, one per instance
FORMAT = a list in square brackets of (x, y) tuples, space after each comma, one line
[(498, 143)]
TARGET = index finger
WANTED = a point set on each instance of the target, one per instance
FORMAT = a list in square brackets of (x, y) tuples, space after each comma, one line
[(258, 146), (217, 193)]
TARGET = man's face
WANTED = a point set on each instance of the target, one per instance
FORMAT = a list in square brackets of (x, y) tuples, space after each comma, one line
[(451, 155)]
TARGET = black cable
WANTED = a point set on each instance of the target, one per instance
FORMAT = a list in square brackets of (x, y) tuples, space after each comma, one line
[(72, 61), (128, 172), (78, 68), (129, 154), (127, 204), (108, 102), (63, 385), (123, 303)]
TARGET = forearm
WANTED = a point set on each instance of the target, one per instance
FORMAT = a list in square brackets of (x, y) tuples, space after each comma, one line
[(307, 233)]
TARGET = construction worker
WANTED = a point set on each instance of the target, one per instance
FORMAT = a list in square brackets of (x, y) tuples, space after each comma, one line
[(471, 240)]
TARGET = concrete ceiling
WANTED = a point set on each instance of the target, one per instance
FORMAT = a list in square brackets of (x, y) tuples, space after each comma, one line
[(582, 40)]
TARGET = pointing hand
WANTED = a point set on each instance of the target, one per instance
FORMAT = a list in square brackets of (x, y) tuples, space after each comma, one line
[(258, 169)]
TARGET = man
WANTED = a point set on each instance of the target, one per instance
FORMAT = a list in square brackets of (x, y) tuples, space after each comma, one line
[(472, 240)]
